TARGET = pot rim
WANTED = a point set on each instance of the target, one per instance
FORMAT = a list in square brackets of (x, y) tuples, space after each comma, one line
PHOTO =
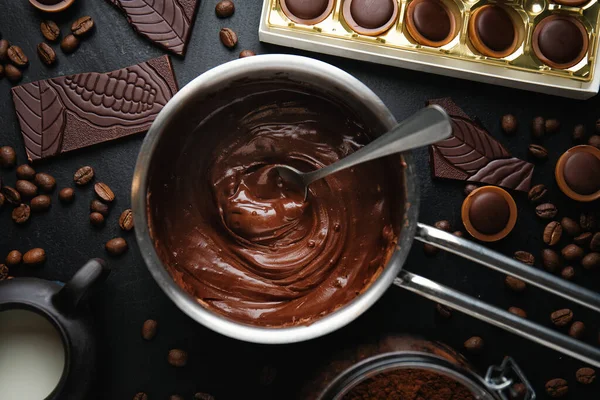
[(279, 65)]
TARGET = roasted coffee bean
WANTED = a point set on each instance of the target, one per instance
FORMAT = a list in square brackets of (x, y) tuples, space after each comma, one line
[(21, 214), (568, 273), (430, 249), (98, 206), (11, 195), (203, 396), (538, 127), (578, 133), (571, 227), (17, 57), (69, 44), (577, 329), (591, 261), (518, 312), (14, 258), (46, 53), (538, 151), (126, 220), (35, 256), (595, 242), (537, 193), (546, 211), (518, 391), (474, 344), (572, 252), (44, 181), (224, 8), (515, 284), (50, 30), (594, 140), (177, 358), (443, 225), (12, 73), (140, 396), (524, 257), (509, 124), (247, 53), (585, 375), (583, 240), (41, 203), (66, 195), (26, 188), (228, 38), (149, 329), (552, 125), (116, 246), (104, 192), (175, 397), (4, 45), (3, 272), (97, 219), (8, 157), (82, 26), (469, 188), (551, 260), (587, 221), (458, 233), (2, 199), (552, 233), (562, 317), (25, 172), (443, 310), (83, 175), (557, 387)]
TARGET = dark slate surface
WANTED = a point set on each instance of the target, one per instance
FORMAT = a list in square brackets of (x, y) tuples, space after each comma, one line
[(227, 368)]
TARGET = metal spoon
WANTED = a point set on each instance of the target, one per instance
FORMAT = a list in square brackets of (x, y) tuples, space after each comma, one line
[(426, 126)]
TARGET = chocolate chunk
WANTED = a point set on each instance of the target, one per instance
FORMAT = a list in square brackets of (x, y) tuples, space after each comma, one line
[(471, 154), (169, 25), (62, 114)]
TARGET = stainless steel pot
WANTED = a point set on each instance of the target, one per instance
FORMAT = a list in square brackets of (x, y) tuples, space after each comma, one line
[(366, 104)]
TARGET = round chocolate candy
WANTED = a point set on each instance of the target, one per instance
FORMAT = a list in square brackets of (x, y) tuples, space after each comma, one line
[(492, 31), (489, 213), (370, 17), (307, 12), (430, 22), (578, 173), (560, 41)]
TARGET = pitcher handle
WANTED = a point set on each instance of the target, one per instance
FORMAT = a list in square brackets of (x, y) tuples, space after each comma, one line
[(85, 279)]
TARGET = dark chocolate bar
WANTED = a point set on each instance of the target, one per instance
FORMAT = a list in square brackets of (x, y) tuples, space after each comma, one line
[(472, 154), (71, 112), (168, 23)]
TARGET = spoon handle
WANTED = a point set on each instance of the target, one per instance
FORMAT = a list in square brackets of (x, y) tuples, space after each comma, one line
[(426, 126)]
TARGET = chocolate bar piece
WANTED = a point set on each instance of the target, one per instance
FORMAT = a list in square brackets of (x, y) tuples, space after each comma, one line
[(472, 154), (62, 114), (168, 23)]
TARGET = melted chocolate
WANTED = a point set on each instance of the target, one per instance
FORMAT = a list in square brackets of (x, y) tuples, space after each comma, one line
[(432, 20), (489, 213), (232, 234), (495, 28), (582, 173), (372, 14), (560, 40)]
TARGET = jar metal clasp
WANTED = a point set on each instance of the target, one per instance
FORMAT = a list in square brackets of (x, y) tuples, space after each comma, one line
[(501, 379)]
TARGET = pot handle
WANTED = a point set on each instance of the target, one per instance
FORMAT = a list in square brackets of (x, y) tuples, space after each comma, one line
[(88, 277), (494, 315)]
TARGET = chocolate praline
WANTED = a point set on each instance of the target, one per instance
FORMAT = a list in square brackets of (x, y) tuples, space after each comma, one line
[(307, 12), (430, 22), (370, 17), (489, 213), (560, 41), (571, 3), (578, 173), (492, 31)]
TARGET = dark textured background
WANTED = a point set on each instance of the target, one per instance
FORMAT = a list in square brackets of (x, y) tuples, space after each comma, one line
[(227, 368)]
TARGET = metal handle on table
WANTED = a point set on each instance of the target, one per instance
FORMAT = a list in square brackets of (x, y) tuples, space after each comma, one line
[(494, 315)]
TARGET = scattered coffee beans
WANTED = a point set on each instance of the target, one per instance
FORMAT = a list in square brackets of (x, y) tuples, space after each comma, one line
[(12, 73), (591, 261), (469, 188), (69, 44), (21, 214), (552, 125), (577, 329), (546, 211), (443, 310), (25, 172), (524, 257), (595, 242), (509, 124), (2, 199), (561, 317), (17, 56), (44, 181), (587, 221), (116, 246), (8, 157), (82, 26), (585, 375), (578, 133), (140, 396), (537, 193), (46, 53), (474, 344), (538, 151), (247, 53), (26, 189), (66, 195), (14, 258), (126, 220), (3, 272), (35, 256), (568, 273), (50, 30), (228, 38), (41, 203), (557, 387), (458, 233), (518, 312), (224, 8), (104, 192), (4, 45), (175, 397), (83, 175), (570, 226), (177, 358), (583, 240), (551, 260), (538, 127), (430, 249), (11, 195), (594, 140), (97, 219), (552, 233), (149, 329), (443, 225), (99, 207), (515, 284), (572, 252)]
